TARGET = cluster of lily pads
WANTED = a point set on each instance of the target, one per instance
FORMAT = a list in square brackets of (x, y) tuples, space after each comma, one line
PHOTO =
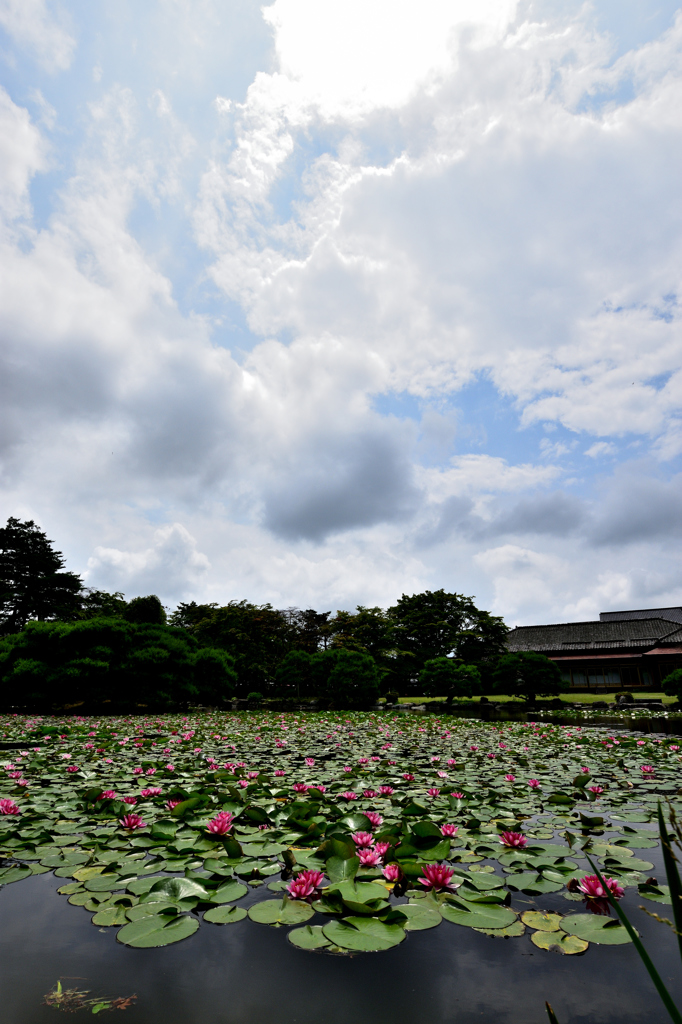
[(357, 828)]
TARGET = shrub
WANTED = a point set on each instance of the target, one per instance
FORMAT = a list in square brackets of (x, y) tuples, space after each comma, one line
[(672, 684), (145, 610), (444, 677), (527, 674), (254, 695), (352, 677)]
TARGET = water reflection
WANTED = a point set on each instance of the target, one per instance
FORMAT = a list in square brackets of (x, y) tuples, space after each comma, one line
[(248, 973)]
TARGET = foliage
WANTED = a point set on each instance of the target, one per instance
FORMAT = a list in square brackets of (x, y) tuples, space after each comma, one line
[(112, 660), (32, 584), (310, 792), (436, 624), (145, 610), (672, 684), (294, 675), (527, 674), (353, 681), (445, 677)]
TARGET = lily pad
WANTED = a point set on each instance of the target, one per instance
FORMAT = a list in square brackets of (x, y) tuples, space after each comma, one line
[(512, 931), (607, 931), (559, 942), (657, 893), (229, 892), (542, 920), (477, 915), (531, 882), (110, 916), (364, 934), (225, 915), (157, 930), (278, 912), (419, 917), (311, 936)]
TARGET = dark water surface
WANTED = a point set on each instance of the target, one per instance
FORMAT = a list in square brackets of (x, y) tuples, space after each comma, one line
[(249, 974)]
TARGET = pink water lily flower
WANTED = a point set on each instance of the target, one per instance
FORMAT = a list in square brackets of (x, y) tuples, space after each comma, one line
[(513, 839), (299, 787), (132, 800), (646, 769), (349, 795), (593, 889), (386, 790), (510, 778), (381, 848), (305, 884), (73, 768), (369, 793), (221, 824), (433, 792), (458, 796), (392, 873), (132, 821), (369, 858), (449, 830), (597, 790), (107, 794), (438, 876), (534, 783), (362, 838), (279, 773), (374, 818), (408, 776), (171, 804), (151, 791), (310, 761), (9, 807)]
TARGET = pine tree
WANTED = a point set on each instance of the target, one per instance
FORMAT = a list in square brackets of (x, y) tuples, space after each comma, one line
[(32, 584)]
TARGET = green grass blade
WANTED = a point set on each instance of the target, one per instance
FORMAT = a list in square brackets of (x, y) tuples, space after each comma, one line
[(673, 875), (551, 1014), (675, 1014)]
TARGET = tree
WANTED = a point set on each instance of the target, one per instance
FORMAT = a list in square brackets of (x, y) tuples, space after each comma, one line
[(145, 609), (672, 684), (99, 604), (294, 675), (347, 678), (436, 624), (527, 674), (32, 584), (445, 677), (97, 660)]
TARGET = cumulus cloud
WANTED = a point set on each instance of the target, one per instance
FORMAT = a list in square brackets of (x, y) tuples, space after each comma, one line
[(34, 28), (207, 322)]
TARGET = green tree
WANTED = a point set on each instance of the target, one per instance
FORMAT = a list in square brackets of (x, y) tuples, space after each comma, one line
[(97, 660), (672, 684), (437, 624), (294, 675), (527, 674), (445, 677), (32, 583), (257, 636), (347, 678), (145, 609), (99, 604)]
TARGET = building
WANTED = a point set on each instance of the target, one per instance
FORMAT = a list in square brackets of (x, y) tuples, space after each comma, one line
[(623, 650)]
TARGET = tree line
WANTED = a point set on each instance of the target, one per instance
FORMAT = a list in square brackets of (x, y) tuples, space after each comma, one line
[(62, 642)]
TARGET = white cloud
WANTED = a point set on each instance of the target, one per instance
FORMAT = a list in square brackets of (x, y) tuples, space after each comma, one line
[(22, 154), (600, 448), (34, 28)]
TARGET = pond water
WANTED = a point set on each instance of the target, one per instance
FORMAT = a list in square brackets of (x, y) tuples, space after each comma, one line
[(249, 973)]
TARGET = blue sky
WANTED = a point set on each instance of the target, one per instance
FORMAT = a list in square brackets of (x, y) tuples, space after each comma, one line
[(318, 304)]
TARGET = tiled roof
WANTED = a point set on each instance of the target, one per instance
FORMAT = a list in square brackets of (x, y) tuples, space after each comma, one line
[(576, 636), (673, 614)]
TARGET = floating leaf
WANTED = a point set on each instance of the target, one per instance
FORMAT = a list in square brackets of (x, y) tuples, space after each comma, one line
[(542, 920), (559, 942), (157, 931), (278, 912), (364, 934), (229, 892), (225, 915), (512, 931), (311, 936), (419, 917), (607, 931), (657, 893)]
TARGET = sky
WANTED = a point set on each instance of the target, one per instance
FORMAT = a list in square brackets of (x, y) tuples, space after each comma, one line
[(320, 303)]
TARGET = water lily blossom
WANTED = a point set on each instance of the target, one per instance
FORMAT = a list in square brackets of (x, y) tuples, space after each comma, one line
[(513, 839), (438, 876), (305, 884), (534, 783), (132, 821), (9, 807), (221, 824), (392, 873), (362, 838), (369, 858), (591, 887), (449, 830)]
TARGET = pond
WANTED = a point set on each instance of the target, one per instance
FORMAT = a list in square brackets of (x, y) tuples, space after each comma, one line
[(435, 965)]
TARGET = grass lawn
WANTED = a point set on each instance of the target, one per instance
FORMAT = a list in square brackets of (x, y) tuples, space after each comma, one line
[(568, 698)]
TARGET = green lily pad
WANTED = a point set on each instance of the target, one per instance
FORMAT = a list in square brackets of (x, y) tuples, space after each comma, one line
[(657, 893), (542, 920), (14, 874), (559, 942), (157, 930), (607, 931), (531, 882), (419, 917), (229, 892), (138, 886), (225, 915), (364, 934), (179, 889), (311, 936), (477, 915), (110, 916), (152, 909), (512, 931), (102, 883), (278, 912)]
